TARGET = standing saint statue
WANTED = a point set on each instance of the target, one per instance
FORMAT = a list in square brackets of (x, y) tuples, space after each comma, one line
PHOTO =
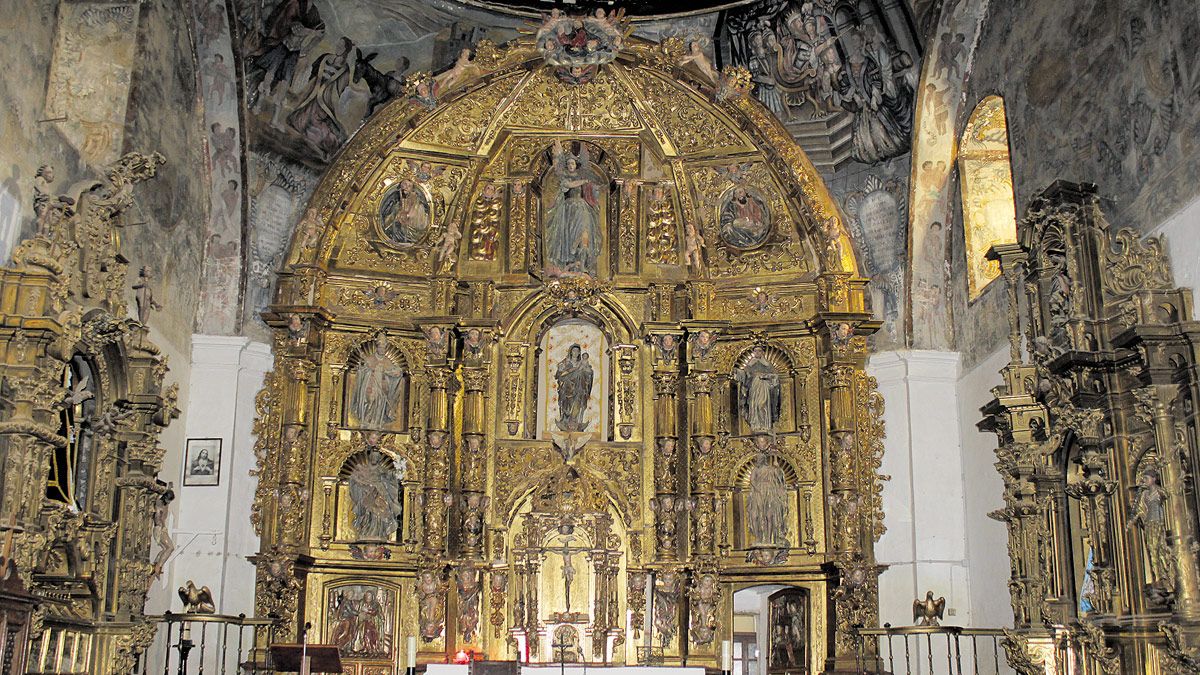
[(375, 496), (378, 382), (1149, 514), (759, 394), (767, 504), (574, 378), (572, 225)]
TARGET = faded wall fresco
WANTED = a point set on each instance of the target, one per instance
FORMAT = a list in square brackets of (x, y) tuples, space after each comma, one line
[(104, 60), (825, 67), (1095, 91), (221, 280), (314, 69), (933, 190), (875, 201)]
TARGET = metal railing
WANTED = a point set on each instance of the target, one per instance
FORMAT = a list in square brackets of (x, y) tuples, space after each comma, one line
[(217, 644), (932, 650)]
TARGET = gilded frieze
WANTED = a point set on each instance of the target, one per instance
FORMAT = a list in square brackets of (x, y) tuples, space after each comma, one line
[(461, 126), (691, 126)]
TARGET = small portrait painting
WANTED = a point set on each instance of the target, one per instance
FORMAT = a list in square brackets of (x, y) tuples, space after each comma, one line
[(404, 213), (745, 220), (202, 462)]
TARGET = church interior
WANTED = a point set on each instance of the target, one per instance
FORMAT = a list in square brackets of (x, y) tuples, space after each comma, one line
[(737, 337)]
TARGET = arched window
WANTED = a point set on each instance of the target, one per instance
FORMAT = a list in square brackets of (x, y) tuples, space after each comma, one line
[(985, 171)]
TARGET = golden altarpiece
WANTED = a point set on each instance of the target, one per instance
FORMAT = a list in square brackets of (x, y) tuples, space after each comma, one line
[(81, 406), (1098, 446), (565, 355)]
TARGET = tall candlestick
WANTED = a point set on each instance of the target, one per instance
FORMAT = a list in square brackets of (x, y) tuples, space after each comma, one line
[(726, 657), (412, 654)]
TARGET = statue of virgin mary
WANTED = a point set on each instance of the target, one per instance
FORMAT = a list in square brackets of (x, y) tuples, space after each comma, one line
[(572, 224)]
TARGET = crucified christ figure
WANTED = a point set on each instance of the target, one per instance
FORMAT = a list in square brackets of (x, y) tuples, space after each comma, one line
[(568, 570)]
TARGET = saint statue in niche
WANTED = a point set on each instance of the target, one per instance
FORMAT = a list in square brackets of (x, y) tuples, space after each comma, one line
[(572, 216), (375, 496), (378, 384), (767, 503), (404, 213), (759, 393), (574, 378), (745, 219)]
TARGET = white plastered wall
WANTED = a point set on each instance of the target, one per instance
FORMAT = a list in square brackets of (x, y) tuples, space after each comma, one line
[(210, 525)]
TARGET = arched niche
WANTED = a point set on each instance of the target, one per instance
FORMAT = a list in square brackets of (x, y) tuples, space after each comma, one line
[(376, 387), (574, 379), (763, 391), (566, 556), (985, 175), (766, 506), (370, 502)]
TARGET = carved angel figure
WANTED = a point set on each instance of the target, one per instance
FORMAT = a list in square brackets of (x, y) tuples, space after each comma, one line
[(572, 218), (431, 594)]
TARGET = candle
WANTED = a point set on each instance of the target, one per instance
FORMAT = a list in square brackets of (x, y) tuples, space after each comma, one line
[(412, 652), (726, 657)]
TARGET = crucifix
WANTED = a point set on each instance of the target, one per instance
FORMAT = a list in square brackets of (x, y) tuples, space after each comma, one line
[(568, 570)]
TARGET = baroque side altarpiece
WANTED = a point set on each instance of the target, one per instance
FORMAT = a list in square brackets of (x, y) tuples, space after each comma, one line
[(81, 408), (569, 348)]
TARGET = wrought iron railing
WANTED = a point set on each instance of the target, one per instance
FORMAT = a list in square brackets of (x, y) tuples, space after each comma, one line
[(216, 644), (932, 650)]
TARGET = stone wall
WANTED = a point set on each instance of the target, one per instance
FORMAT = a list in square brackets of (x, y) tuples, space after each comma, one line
[(1096, 91), (86, 82)]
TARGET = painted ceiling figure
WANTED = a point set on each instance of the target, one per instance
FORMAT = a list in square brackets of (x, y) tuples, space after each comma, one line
[(881, 102), (574, 377), (292, 27), (375, 496), (377, 387), (767, 504), (759, 394), (573, 217), (316, 116)]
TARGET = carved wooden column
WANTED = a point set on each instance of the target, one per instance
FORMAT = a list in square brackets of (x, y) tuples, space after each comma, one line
[(702, 378), (439, 447), (666, 341), (855, 442), (476, 359)]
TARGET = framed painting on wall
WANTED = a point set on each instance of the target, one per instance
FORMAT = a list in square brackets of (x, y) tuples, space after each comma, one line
[(202, 462)]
